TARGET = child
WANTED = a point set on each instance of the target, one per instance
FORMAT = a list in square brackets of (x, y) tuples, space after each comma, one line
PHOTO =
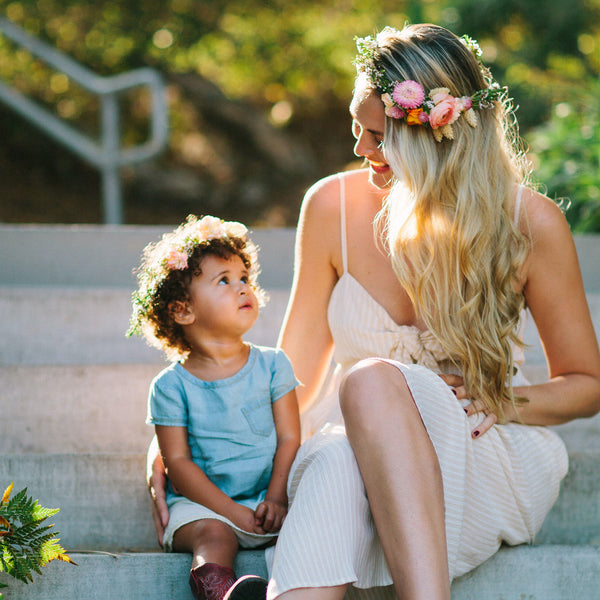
[(225, 411)]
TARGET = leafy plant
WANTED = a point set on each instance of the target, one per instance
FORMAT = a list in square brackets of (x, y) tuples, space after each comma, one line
[(25, 544), (566, 153)]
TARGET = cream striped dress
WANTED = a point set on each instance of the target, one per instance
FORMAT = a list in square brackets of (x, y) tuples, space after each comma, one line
[(497, 488)]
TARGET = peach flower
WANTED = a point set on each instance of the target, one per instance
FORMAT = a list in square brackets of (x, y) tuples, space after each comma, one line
[(445, 111), (177, 261)]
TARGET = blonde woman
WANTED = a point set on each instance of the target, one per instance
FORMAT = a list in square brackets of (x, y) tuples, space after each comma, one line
[(427, 445)]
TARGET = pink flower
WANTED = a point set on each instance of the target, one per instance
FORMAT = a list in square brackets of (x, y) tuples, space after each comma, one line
[(467, 102), (408, 94), (394, 112), (445, 111), (177, 261), (423, 117)]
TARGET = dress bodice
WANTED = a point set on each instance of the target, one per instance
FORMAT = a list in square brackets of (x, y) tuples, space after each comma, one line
[(362, 328)]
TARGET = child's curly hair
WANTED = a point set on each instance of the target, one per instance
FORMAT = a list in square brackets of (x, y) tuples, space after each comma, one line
[(166, 272)]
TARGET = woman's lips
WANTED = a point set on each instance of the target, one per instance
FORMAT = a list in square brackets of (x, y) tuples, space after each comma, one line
[(379, 167)]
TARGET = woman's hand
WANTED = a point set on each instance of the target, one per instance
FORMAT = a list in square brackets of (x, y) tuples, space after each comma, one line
[(269, 515), (456, 384), (157, 485)]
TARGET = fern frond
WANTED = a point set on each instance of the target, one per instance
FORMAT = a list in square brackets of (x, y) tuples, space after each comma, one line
[(25, 544)]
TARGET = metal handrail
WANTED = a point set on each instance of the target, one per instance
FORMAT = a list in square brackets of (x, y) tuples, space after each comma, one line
[(108, 156)]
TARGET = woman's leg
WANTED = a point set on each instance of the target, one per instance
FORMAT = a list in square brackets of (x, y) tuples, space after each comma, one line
[(325, 593), (402, 477)]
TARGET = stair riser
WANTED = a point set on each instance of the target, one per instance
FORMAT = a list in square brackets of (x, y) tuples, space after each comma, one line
[(102, 408), (52, 326), (524, 572), (105, 504), (70, 326)]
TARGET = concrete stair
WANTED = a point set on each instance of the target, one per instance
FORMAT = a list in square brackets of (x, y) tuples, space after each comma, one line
[(72, 429)]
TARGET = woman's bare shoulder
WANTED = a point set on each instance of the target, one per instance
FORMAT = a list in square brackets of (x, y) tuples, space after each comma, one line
[(542, 218), (323, 197)]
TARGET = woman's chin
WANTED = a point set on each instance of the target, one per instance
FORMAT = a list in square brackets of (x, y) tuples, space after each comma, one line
[(380, 176)]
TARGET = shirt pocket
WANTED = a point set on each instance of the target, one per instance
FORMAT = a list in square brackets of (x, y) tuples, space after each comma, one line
[(259, 416)]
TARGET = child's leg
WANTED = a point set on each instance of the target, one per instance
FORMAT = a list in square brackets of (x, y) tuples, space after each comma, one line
[(208, 540), (213, 546)]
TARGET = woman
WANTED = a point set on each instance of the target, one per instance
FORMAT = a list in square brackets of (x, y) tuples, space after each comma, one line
[(413, 275)]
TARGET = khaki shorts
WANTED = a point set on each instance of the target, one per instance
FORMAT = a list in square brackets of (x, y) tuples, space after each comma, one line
[(183, 511)]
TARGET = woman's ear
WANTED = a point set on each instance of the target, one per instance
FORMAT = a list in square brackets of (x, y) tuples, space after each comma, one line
[(181, 312)]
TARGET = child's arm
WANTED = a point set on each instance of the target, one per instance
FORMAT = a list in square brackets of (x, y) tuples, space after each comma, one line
[(270, 513), (191, 481)]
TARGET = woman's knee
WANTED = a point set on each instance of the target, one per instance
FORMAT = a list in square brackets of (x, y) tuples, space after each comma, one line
[(369, 386)]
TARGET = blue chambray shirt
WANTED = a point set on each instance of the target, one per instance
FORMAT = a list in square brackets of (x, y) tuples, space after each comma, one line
[(231, 432)]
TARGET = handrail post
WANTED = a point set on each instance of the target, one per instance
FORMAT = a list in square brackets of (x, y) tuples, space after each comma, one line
[(108, 156), (111, 181)]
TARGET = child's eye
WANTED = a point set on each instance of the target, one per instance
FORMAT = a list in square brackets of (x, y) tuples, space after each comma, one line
[(223, 281), (245, 279), (379, 144)]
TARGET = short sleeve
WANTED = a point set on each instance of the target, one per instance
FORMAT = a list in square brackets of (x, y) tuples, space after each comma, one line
[(166, 402), (283, 379)]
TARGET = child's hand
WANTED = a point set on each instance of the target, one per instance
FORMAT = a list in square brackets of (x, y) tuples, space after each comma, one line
[(244, 519), (269, 516)]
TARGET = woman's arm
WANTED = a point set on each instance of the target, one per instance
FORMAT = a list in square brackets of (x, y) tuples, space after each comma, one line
[(191, 481), (305, 335), (556, 298), (270, 513), (156, 479)]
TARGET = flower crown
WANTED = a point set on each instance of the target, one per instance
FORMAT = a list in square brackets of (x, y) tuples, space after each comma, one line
[(172, 253), (407, 99)]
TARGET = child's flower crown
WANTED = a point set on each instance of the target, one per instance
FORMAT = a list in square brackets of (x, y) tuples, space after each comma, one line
[(407, 99), (172, 253)]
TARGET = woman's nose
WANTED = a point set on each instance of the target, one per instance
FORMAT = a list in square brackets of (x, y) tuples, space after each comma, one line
[(362, 148)]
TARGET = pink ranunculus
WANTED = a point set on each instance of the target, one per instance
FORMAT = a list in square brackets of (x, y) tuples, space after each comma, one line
[(408, 94), (444, 113), (394, 112), (423, 117), (177, 261), (467, 102)]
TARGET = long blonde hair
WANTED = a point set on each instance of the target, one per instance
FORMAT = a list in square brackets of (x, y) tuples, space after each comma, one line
[(453, 241)]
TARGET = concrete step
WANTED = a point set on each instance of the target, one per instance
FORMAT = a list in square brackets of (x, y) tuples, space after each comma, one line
[(104, 503), (63, 409), (86, 326), (102, 408), (106, 255), (520, 572), (101, 255)]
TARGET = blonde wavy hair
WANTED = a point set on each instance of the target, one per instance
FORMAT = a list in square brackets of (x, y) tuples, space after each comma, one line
[(449, 216)]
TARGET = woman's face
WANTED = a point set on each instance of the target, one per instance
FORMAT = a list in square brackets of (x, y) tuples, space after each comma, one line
[(368, 125)]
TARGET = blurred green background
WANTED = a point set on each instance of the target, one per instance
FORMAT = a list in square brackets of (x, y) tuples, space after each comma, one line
[(258, 94)]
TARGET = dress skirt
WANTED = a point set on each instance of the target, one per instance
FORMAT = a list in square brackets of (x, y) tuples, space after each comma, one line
[(497, 488)]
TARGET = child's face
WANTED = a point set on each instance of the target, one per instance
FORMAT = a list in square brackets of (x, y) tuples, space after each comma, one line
[(221, 299)]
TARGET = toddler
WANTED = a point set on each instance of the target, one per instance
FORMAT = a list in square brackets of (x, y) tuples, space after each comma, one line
[(225, 411)]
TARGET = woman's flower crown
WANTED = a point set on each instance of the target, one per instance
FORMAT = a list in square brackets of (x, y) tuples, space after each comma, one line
[(172, 253), (407, 99)]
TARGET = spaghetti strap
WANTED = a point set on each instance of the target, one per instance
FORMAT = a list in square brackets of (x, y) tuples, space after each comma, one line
[(518, 204), (343, 222)]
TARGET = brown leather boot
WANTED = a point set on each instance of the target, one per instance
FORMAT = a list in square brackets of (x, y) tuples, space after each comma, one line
[(211, 581)]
